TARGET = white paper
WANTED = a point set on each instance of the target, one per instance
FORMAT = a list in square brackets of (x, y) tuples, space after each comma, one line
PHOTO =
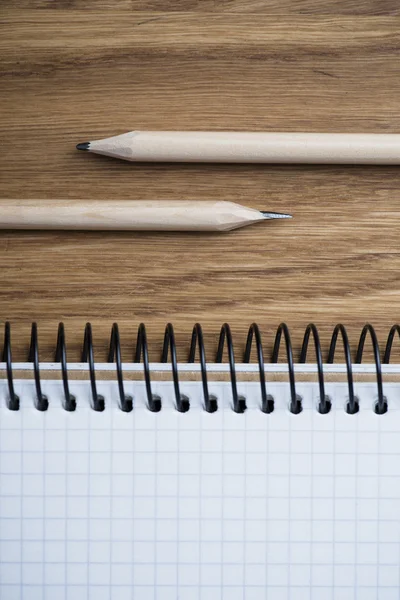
[(199, 506)]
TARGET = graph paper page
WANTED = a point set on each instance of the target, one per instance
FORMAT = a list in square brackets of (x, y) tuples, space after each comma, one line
[(198, 506)]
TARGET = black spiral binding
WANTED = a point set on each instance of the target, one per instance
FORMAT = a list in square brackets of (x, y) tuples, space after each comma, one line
[(267, 401), (295, 400), (69, 403), (12, 400), (325, 404), (41, 402), (182, 401), (154, 402), (381, 406), (353, 404), (395, 329), (210, 401), (125, 402), (239, 402), (88, 356)]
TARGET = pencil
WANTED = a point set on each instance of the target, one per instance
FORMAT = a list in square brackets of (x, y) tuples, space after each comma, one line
[(129, 215), (239, 147)]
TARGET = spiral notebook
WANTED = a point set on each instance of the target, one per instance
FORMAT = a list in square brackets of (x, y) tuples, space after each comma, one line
[(115, 487)]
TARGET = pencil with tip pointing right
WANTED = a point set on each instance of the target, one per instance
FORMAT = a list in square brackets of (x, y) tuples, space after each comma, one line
[(130, 215)]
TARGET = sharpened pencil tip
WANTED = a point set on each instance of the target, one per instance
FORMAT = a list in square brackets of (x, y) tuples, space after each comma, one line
[(272, 215), (83, 146)]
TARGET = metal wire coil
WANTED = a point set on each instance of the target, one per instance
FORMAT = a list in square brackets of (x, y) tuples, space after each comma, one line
[(210, 401)]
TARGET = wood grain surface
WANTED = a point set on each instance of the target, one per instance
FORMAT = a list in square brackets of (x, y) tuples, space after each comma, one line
[(72, 71)]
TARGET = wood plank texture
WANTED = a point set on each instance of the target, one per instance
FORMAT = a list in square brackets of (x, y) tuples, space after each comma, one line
[(300, 7), (73, 71)]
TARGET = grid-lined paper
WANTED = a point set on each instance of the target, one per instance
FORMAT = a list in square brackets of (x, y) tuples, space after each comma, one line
[(199, 506)]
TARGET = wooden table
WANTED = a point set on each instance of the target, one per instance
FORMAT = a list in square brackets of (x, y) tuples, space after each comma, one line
[(73, 71)]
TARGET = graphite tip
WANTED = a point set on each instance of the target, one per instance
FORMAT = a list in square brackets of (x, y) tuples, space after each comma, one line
[(273, 215), (83, 146)]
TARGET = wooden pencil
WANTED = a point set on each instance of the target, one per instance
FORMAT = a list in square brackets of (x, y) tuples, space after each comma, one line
[(129, 215), (240, 147)]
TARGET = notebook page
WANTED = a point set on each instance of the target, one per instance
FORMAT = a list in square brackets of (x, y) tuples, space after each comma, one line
[(196, 505)]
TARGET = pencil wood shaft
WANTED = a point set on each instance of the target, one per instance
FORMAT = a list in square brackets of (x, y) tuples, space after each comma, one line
[(240, 147), (127, 215)]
